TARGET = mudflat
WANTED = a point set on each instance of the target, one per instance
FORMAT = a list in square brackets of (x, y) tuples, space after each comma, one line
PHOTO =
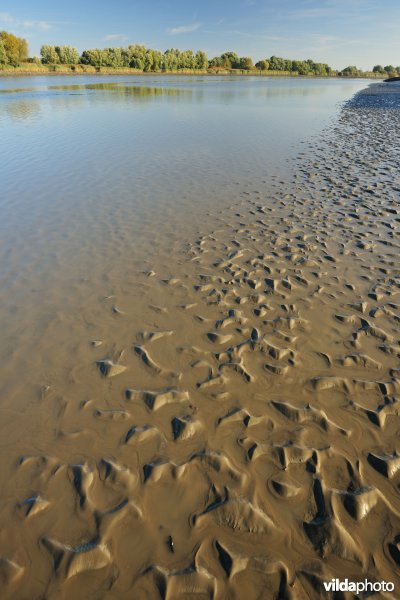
[(222, 422)]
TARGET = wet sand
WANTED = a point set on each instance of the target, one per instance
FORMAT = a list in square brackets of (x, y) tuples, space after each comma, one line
[(226, 424)]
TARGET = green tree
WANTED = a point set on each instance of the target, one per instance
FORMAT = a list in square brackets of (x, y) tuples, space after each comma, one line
[(216, 62), (3, 54), (230, 60), (246, 63), (94, 57), (148, 61), (137, 63), (49, 55), (157, 60), (16, 48), (67, 55), (170, 60), (277, 64), (287, 64), (112, 57), (201, 60), (301, 67), (23, 50), (378, 69), (262, 65), (320, 69), (351, 71), (390, 70), (188, 60), (136, 54)]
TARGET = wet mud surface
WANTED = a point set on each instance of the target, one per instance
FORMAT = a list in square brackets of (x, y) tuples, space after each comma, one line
[(227, 424)]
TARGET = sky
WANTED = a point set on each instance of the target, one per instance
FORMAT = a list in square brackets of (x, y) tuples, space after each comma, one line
[(338, 32)]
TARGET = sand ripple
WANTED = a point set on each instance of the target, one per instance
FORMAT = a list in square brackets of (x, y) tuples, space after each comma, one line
[(248, 446)]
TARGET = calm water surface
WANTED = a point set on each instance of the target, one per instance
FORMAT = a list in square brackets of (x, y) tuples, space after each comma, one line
[(98, 171)]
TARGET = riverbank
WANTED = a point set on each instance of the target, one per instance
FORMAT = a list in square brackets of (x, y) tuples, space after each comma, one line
[(32, 70)]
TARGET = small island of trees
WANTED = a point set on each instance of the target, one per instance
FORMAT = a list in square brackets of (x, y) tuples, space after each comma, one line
[(139, 59)]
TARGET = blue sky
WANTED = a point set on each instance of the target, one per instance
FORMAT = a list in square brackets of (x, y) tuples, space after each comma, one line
[(339, 32)]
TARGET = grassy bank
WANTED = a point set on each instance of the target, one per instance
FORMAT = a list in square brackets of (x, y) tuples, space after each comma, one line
[(38, 69)]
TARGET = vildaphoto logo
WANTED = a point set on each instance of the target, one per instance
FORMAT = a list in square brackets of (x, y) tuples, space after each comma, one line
[(338, 585)]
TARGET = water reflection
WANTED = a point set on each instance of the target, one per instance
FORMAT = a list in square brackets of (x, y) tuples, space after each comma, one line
[(62, 96), (26, 102), (17, 90), (90, 159), (133, 90), (28, 109)]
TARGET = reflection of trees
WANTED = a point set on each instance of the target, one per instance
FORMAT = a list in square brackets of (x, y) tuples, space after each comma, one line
[(17, 90), (137, 91), (24, 109), (31, 105), (226, 90)]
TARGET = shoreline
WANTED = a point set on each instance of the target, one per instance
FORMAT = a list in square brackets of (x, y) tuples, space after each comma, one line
[(122, 72)]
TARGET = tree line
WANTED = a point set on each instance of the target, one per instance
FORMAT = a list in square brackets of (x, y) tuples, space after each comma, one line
[(387, 71), (145, 59), (134, 56), (230, 60), (14, 51)]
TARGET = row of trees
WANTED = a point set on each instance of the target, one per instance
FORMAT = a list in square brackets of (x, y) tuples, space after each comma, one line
[(13, 50), (302, 67), (146, 59), (64, 55), (230, 60), (388, 71), (135, 56)]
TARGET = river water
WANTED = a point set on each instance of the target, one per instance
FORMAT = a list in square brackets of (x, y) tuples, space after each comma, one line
[(97, 165)]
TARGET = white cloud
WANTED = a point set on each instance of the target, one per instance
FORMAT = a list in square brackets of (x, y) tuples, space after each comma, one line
[(245, 34), (42, 25), (6, 18), (311, 13), (184, 28), (10, 21), (334, 9), (115, 36)]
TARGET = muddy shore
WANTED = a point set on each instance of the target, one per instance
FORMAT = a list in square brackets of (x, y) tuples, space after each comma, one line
[(233, 431)]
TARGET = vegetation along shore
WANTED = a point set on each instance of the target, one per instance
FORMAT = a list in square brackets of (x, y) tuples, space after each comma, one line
[(137, 59)]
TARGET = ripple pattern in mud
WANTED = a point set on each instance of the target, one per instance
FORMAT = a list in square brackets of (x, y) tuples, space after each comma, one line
[(234, 431)]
